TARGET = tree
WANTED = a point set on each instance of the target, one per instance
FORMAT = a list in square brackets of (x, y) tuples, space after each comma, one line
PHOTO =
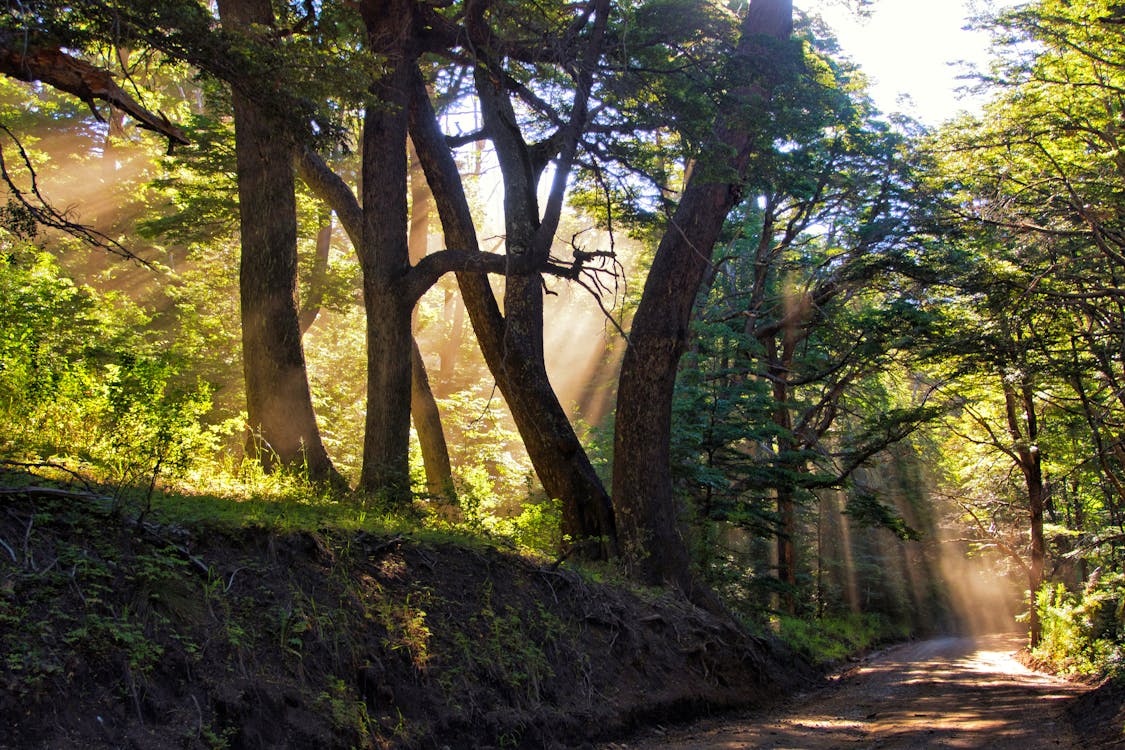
[(557, 105), (807, 313), (423, 405), (282, 424), (1036, 189), (391, 284), (648, 519)]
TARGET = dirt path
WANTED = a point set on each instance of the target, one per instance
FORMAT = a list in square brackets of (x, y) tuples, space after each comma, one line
[(939, 693)]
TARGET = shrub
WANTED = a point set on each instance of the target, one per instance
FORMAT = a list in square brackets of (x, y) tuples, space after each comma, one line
[(79, 382), (835, 637), (1083, 634)]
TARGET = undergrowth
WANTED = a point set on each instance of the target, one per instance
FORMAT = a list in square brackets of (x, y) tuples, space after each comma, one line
[(832, 638), (1084, 632)]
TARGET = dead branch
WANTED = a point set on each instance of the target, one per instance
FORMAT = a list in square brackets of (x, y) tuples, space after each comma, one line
[(42, 213)]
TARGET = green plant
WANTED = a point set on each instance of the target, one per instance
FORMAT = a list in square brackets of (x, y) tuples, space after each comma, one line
[(831, 638), (1083, 634), (509, 646), (348, 711), (86, 381), (406, 628), (536, 528)]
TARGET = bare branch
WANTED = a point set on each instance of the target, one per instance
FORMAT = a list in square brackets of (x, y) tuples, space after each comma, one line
[(43, 213)]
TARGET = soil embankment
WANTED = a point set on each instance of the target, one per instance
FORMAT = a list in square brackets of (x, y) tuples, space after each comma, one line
[(118, 633)]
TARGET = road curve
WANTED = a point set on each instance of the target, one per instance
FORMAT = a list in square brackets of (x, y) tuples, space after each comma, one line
[(937, 693)]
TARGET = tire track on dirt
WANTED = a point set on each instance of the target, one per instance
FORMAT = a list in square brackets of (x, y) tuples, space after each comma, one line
[(938, 693)]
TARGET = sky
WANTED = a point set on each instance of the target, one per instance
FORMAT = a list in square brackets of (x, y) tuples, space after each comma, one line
[(906, 47)]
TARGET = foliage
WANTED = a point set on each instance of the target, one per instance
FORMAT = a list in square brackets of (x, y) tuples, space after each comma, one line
[(829, 640), (800, 372), (1029, 338), (511, 646), (899, 327), (80, 380), (1084, 632)]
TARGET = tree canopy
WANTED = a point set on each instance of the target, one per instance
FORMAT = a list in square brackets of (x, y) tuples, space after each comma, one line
[(356, 233)]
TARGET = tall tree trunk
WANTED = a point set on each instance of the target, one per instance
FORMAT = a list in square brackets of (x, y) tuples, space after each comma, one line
[(386, 443), (282, 423), (786, 506), (385, 256), (556, 453), (652, 543), (1031, 466)]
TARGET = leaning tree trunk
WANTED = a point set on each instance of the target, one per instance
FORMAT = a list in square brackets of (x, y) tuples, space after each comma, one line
[(556, 453), (318, 278), (653, 546), (423, 406), (282, 423), (431, 436)]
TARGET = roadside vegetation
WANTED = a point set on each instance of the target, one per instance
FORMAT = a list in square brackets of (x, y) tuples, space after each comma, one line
[(286, 403)]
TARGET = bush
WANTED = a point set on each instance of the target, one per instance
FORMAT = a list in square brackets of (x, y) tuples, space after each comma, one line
[(79, 382), (1083, 634)]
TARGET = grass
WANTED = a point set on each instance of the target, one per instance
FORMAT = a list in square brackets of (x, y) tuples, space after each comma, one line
[(833, 638)]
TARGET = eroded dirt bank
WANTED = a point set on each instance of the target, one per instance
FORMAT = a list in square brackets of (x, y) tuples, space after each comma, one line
[(938, 693), (117, 633)]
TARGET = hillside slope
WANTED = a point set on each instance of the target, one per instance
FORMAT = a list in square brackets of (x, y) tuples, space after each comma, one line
[(120, 633)]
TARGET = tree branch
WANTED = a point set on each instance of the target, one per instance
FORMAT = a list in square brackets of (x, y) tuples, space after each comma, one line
[(37, 208), (67, 73), (331, 188)]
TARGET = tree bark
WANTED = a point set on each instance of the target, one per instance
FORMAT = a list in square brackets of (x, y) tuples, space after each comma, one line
[(1031, 466), (283, 429), (431, 437), (423, 405), (310, 309), (556, 453), (385, 256), (779, 366), (653, 546), (451, 349)]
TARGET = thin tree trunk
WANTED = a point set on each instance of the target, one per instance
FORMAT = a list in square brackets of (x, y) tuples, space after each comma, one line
[(310, 310), (282, 423), (431, 437), (779, 367), (451, 349), (1030, 463), (423, 406)]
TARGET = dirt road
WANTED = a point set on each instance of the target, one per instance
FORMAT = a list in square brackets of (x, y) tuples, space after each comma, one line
[(939, 693)]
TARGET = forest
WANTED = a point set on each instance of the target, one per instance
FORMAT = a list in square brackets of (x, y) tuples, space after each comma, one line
[(648, 293)]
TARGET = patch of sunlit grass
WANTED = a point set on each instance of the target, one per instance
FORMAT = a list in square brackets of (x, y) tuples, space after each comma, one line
[(833, 638)]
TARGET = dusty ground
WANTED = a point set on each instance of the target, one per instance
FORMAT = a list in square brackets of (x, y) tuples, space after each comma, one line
[(939, 693)]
